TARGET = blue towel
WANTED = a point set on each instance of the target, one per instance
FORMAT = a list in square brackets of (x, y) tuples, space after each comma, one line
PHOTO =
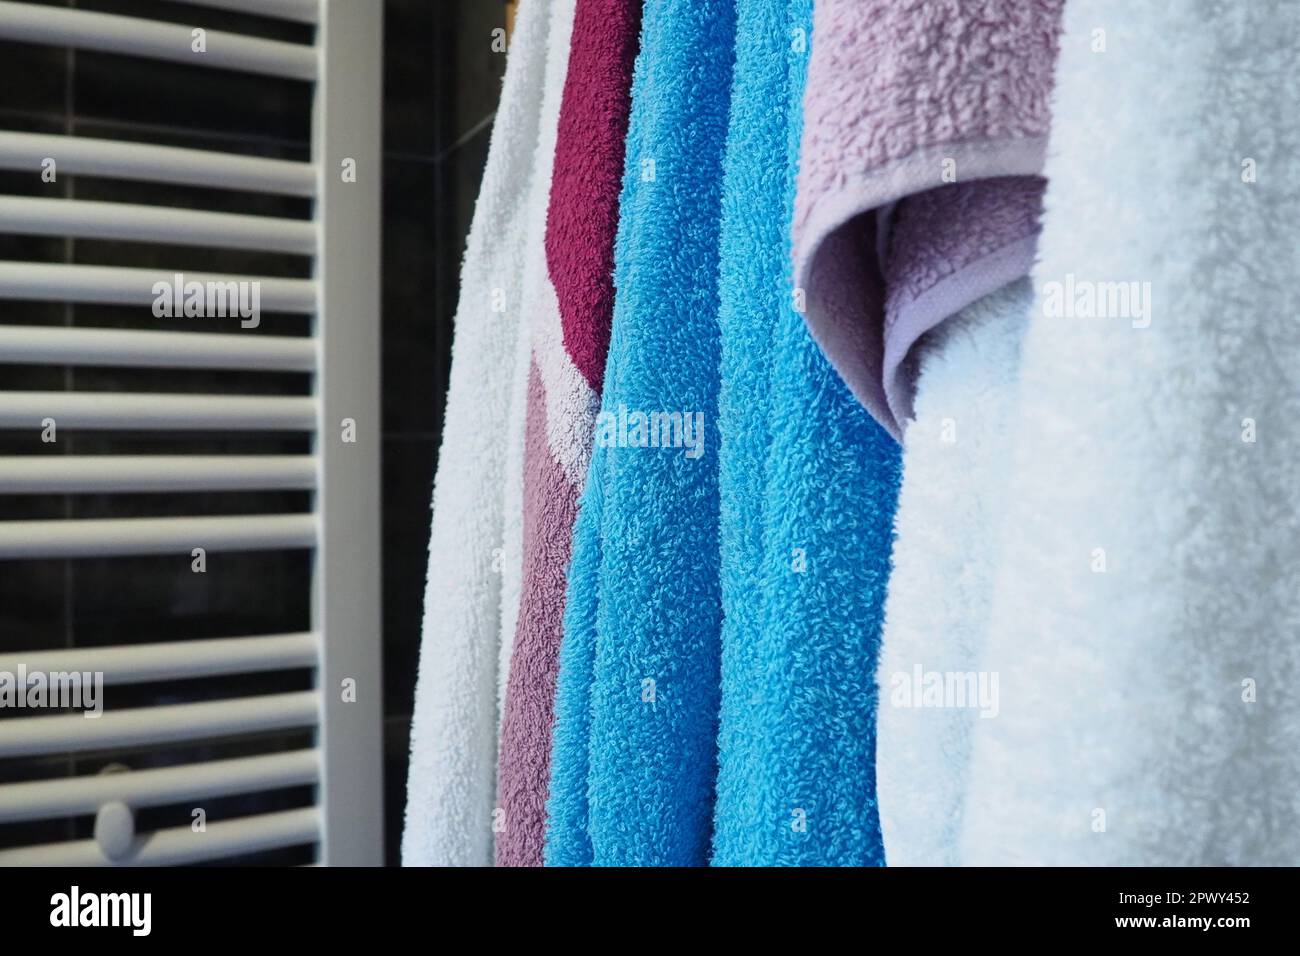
[(786, 526), (567, 842), (752, 286), (635, 744), (809, 483)]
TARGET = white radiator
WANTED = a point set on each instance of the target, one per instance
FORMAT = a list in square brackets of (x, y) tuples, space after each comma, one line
[(342, 528)]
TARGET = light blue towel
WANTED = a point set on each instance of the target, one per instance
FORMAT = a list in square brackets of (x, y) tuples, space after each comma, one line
[(809, 483), (635, 744)]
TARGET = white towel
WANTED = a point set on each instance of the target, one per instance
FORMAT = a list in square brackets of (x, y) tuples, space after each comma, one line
[(474, 541), (941, 585), (1146, 618)]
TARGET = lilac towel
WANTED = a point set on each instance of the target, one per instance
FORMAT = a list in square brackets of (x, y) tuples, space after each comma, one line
[(921, 121)]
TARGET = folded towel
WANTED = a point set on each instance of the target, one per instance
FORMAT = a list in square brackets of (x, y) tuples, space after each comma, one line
[(636, 706), (949, 247), (570, 336), (955, 460), (450, 788), (904, 97), (1144, 615)]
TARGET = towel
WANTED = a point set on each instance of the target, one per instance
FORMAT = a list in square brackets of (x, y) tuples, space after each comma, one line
[(808, 483), (754, 287), (962, 99), (570, 336), (947, 248), (1144, 616), (510, 559), (634, 751), (568, 840), (450, 789), (945, 557), (905, 97)]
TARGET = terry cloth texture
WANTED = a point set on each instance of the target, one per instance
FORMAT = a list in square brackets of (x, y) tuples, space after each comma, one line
[(955, 458), (511, 557), (1145, 611), (808, 484), (451, 783), (635, 737), (754, 286), (949, 247), (906, 96), (569, 342)]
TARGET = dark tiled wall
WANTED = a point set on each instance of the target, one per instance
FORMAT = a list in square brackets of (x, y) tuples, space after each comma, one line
[(441, 82)]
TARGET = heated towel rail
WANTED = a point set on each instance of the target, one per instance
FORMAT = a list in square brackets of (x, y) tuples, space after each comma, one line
[(340, 472)]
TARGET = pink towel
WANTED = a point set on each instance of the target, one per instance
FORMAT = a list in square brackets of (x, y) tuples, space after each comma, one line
[(922, 120), (569, 346)]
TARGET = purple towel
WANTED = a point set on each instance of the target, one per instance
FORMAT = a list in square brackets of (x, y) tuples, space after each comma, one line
[(925, 126), (570, 339)]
